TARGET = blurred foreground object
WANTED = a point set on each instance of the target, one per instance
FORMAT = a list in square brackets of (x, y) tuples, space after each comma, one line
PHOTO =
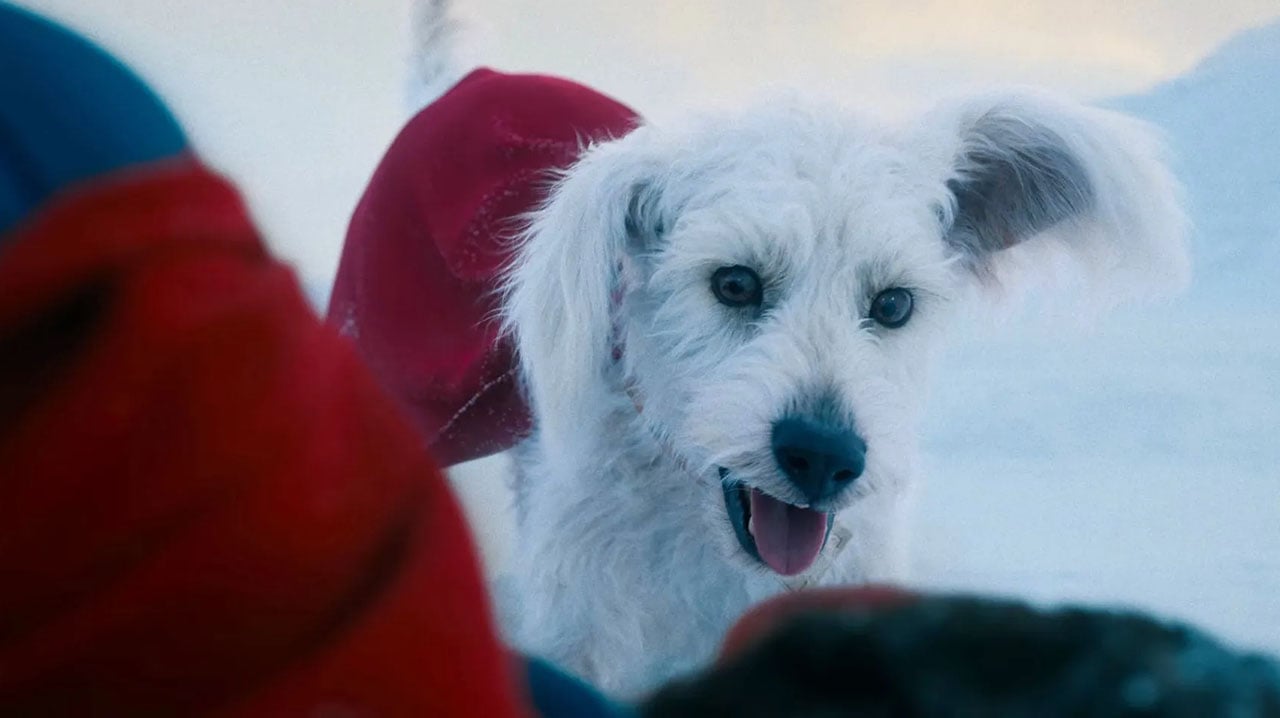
[(878, 652), (208, 506)]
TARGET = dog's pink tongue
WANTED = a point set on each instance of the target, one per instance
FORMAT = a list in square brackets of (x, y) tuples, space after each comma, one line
[(788, 538)]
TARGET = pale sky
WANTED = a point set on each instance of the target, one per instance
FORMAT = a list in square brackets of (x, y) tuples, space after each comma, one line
[(297, 100)]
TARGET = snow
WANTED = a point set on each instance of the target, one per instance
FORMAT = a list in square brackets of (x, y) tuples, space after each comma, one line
[(1137, 465)]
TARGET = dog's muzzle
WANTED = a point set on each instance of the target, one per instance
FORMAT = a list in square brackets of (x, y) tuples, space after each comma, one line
[(821, 461)]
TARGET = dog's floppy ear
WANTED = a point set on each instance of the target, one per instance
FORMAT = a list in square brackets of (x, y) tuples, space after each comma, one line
[(1027, 171), (563, 285)]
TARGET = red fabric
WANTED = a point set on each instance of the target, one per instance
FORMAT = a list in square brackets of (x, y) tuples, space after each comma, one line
[(426, 246), (767, 616), (207, 504)]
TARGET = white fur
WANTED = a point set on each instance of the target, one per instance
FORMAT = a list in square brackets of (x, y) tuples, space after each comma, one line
[(443, 48), (626, 568)]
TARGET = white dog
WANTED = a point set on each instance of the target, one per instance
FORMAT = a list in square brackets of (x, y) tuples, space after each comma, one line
[(725, 328)]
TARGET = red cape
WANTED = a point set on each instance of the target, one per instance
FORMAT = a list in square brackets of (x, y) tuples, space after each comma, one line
[(427, 245)]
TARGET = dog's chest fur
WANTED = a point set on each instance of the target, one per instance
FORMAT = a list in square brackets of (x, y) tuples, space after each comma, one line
[(609, 582), (626, 574)]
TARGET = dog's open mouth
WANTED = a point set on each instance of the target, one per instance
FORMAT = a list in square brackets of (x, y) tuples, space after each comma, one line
[(782, 536)]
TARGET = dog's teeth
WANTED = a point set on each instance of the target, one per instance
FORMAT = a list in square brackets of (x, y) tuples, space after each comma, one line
[(751, 525)]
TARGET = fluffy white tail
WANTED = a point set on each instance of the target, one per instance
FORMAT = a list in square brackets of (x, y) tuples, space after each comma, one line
[(442, 51)]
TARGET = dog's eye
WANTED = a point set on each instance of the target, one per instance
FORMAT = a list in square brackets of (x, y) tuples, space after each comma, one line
[(737, 286), (892, 307)]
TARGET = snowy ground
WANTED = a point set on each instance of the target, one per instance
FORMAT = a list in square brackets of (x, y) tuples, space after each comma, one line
[(1136, 466)]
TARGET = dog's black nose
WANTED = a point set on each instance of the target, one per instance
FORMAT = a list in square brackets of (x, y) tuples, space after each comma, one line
[(821, 459)]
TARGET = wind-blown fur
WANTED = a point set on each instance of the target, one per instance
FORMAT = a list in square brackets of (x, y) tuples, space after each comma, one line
[(442, 49), (646, 391)]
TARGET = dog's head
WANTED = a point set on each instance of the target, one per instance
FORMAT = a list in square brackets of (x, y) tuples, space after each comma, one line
[(767, 289)]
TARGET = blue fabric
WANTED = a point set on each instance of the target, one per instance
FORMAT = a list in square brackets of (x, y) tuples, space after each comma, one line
[(558, 695), (68, 112)]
